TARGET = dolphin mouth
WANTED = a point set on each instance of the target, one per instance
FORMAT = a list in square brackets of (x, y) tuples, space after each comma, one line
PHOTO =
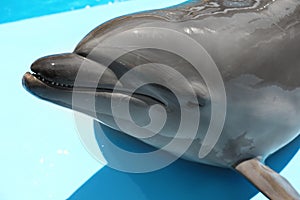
[(36, 78), (32, 80), (45, 88)]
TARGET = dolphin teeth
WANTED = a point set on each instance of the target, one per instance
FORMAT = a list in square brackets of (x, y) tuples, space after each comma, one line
[(43, 79)]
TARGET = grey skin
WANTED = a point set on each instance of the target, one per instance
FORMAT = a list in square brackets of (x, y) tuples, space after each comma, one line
[(256, 47)]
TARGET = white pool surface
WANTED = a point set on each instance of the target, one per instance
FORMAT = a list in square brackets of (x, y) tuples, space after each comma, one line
[(42, 156)]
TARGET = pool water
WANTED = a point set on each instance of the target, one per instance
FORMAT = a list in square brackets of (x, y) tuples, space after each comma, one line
[(42, 156), (16, 10)]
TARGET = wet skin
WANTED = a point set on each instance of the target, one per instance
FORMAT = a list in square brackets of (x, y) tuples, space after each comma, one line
[(255, 46)]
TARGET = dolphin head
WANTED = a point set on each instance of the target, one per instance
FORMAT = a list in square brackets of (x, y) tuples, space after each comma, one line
[(55, 79)]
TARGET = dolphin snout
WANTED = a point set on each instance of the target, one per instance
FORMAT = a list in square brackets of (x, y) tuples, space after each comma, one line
[(72, 69)]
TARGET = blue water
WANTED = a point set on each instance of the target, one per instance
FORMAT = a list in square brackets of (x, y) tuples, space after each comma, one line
[(11, 10)]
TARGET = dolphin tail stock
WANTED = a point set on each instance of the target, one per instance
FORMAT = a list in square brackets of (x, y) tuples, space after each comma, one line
[(269, 182)]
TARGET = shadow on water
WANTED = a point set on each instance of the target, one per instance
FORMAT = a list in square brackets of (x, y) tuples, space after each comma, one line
[(180, 180)]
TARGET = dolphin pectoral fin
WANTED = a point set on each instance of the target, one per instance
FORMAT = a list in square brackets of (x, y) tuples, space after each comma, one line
[(269, 182)]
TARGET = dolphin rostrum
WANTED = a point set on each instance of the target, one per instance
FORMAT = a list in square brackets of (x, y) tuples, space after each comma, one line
[(255, 45)]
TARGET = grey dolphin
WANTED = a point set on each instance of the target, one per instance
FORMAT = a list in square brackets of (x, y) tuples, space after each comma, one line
[(255, 45)]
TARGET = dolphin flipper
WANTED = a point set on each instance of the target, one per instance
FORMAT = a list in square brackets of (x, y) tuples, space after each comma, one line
[(270, 183)]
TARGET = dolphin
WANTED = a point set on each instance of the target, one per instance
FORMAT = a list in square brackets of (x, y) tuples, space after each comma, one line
[(255, 46)]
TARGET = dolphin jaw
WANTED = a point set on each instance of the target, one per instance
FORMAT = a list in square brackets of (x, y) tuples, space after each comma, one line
[(49, 90)]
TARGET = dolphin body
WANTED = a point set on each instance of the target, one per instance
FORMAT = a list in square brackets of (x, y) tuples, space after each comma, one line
[(256, 47)]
